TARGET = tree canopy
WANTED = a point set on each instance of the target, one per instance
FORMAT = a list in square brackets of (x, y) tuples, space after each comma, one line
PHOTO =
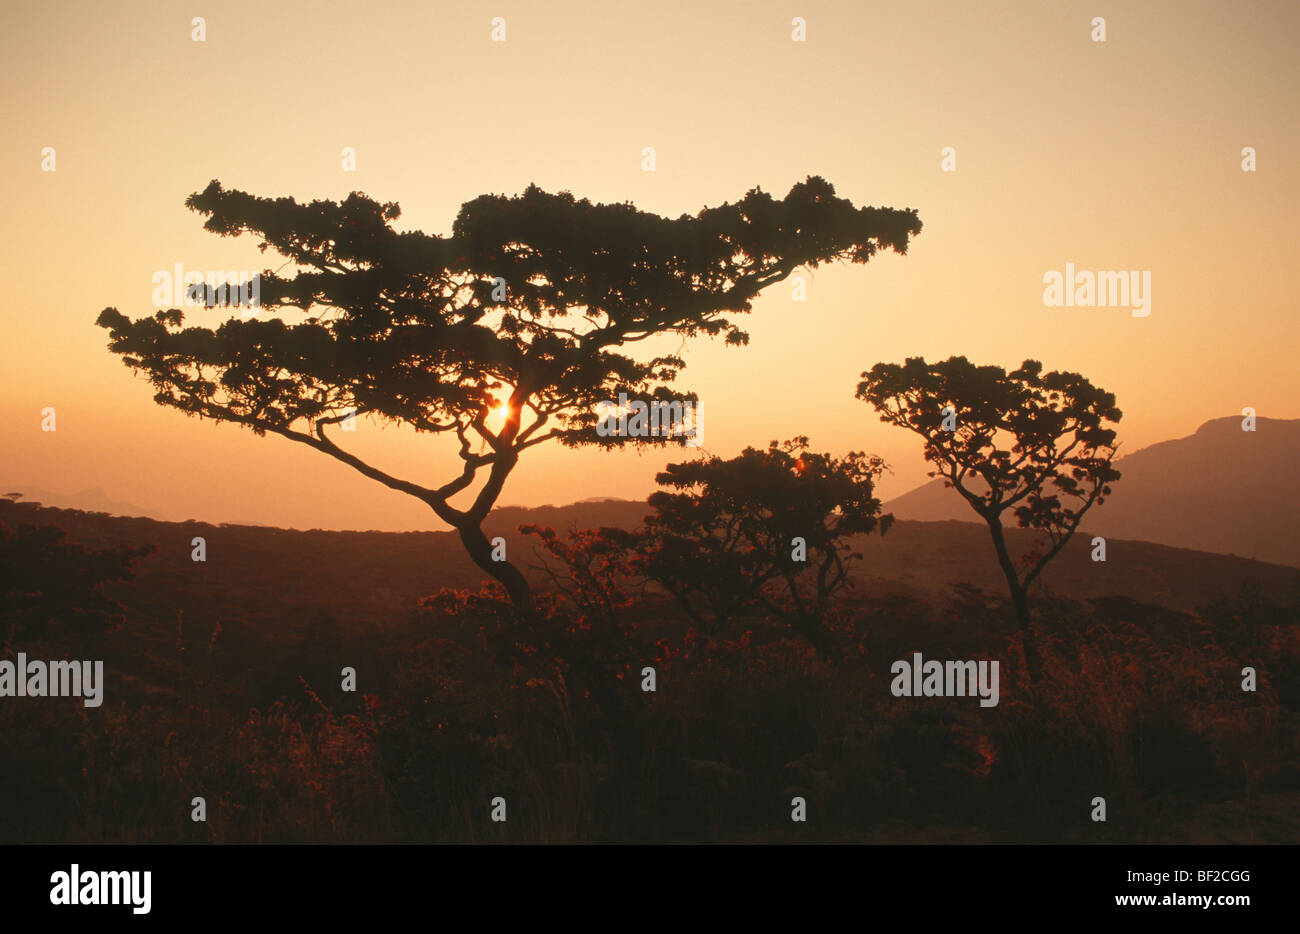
[(765, 533), (765, 529), (1031, 442), (528, 304)]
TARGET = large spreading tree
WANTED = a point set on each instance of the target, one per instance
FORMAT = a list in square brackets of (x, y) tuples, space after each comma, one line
[(1032, 443), (527, 306)]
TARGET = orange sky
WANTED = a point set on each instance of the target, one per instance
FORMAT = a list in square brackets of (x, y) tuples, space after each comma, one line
[(1121, 155)]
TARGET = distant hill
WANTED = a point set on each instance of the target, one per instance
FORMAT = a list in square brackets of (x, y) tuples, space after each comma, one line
[(275, 580), (95, 500), (265, 589), (1220, 490)]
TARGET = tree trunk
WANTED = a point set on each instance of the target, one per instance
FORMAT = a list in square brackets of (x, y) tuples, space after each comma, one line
[(1033, 663), (1019, 598), (516, 585)]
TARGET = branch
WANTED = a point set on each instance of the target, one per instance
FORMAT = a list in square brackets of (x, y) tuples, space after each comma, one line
[(446, 513), (1078, 517)]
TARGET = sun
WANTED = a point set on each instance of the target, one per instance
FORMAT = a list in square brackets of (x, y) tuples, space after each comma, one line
[(502, 411)]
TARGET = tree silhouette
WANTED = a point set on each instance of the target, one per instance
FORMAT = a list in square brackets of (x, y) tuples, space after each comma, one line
[(766, 531), (526, 304), (727, 538), (1027, 441)]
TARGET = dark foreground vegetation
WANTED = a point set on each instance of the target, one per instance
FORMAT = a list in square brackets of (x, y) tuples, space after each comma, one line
[(457, 703)]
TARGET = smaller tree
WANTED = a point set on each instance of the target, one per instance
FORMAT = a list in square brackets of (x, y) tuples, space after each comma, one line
[(765, 531), (1026, 441)]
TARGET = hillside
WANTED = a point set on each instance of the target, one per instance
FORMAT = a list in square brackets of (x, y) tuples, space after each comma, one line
[(275, 580), (225, 681)]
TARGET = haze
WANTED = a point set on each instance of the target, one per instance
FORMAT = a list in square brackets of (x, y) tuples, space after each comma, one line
[(1122, 155)]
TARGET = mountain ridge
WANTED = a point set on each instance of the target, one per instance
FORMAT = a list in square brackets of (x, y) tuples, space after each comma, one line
[(1219, 489)]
